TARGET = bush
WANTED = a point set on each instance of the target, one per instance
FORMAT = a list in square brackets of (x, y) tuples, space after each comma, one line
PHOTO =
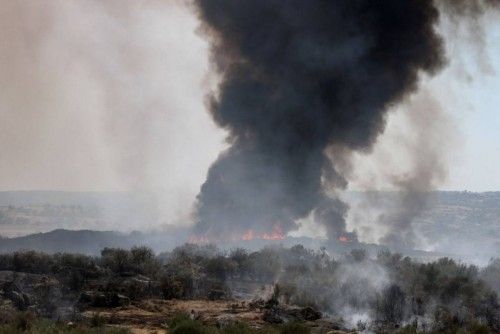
[(116, 259), (189, 327), (97, 321), (359, 255), (30, 262), (24, 321), (479, 329), (178, 319), (237, 328), (49, 327), (392, 304), (295, 328)]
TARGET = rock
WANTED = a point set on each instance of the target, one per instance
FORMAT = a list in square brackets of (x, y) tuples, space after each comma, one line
[(99, 300), (27, 300), (216, 294), (273, 315), (11, 291), (278, 314), (65, 313), (225, 320), (257, 304), (86, 297), (310, 314), (118, 300), (18, 300), (271, 302)]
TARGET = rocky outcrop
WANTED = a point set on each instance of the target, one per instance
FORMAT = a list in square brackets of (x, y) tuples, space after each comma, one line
[(12, 292), (101, 299)]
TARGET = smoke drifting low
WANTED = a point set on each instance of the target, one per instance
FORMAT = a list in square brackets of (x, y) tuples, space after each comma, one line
[(427, 145)]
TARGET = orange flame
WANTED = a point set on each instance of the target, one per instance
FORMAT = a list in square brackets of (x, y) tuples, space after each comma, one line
[(343, 238), (194, 239), (275, 234), (249, 235)]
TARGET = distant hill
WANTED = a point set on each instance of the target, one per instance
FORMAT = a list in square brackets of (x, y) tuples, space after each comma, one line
[(92, 242), (463, 223), (28, 212)]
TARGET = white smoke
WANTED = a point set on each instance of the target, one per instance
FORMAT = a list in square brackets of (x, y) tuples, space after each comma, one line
[(106, 95)]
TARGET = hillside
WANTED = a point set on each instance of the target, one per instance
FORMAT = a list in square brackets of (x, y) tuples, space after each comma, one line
[(451, 223)]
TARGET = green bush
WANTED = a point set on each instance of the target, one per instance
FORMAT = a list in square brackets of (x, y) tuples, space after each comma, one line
[(24, 321), (189, 327), (50, 327), (479, 329), (178, 319), (295, 328), (97, 321), (237, 328)]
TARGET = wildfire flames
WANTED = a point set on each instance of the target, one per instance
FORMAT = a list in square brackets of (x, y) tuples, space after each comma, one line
[(343, 238), (250, 234)]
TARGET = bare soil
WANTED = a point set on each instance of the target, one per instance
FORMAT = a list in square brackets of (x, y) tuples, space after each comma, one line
[(151, 316)]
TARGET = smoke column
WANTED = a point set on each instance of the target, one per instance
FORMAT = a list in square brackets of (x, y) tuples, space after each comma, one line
[(297, 78)]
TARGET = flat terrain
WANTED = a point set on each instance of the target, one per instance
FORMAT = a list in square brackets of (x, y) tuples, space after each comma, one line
[(151, 316)]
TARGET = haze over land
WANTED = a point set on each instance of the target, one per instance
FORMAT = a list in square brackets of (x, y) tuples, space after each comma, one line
[(112, 97), (250, 166), (453, 224)]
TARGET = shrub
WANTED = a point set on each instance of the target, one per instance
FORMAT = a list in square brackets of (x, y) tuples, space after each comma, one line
[(116, 259), (392, 304), (97, 321), (359, 255), (178, 319), (24, 321), (295, 328), (237, 328), (189, 327)]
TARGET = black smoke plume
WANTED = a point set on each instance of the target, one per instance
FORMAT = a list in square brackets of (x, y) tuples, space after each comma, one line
[(296, 78)]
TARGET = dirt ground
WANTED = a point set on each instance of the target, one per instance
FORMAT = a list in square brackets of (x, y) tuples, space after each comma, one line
[(151, 316)]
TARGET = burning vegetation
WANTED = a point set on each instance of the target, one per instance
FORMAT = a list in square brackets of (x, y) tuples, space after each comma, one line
[(275, 234), (267, 289)]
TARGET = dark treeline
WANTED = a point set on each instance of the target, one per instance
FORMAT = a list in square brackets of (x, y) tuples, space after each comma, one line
[(387, 291)]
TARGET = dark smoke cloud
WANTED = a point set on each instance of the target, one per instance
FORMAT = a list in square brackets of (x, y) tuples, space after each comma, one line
[(298, 77)]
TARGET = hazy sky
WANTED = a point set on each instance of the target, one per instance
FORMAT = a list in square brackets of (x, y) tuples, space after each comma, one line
[(468, 93), (109, 95)]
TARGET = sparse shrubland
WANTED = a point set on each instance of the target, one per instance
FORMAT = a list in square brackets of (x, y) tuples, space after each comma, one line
[(389, 291), (182, 324), (27, 323)]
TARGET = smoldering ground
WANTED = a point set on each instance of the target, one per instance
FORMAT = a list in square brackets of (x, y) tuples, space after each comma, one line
[(298, 78)]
